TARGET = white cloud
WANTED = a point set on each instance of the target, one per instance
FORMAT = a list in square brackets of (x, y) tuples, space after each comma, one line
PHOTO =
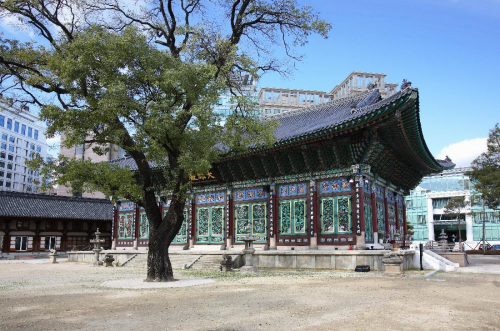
[(15, 26), (463, 152)]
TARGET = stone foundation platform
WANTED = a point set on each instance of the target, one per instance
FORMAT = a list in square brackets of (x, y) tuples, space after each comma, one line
[(306, 259)]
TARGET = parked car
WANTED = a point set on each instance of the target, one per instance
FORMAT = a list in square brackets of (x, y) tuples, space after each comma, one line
[(496, 247), (488, 247)]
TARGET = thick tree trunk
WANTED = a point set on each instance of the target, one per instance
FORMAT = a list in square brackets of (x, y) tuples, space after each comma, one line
[(159, 267)]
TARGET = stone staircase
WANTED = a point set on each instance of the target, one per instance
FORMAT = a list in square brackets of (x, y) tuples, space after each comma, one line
[(208, 262), (178, 261)]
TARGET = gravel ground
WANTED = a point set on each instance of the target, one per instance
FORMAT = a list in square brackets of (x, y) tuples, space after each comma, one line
[(69, 296)]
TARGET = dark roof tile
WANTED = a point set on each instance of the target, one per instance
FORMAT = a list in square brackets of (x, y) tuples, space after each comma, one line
[(14, 204)]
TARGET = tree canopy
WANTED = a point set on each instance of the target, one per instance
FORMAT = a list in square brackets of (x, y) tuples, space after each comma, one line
[(144, 76), (485, 173)]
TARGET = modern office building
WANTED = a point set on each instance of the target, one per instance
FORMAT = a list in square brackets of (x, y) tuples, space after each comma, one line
[(226, 104), (358, 82), (21, 137), (425, 210), (281, 100), (85, 152)]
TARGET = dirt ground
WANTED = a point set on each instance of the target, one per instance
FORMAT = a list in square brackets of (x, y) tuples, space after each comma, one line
[(69, 296)]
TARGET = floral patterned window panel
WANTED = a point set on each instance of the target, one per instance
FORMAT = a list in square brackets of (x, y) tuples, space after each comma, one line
[(210, 225), (292, 217), (126, 226), (336, 215), (380, 217), (250, 219)]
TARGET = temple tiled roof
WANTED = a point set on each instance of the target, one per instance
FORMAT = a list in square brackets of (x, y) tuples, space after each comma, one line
[(395, 146), (24, 205), (307, 121)]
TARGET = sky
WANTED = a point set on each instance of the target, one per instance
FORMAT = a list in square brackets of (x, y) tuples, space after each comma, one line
[(448, 49)]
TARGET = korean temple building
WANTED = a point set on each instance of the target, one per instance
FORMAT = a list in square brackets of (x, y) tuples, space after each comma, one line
[(32, 223), (336, 176)]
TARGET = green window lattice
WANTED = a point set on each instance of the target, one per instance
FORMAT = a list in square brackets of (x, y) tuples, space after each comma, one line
[(250, 219), (292, 217), (210, 225), (336, 215)]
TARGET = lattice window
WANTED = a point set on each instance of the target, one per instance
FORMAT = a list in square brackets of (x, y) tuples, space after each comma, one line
[(293, 217), (336, 215), (144, 226), (210, 225), (368, 223), (126, 226), (250, 219), (380, 216)]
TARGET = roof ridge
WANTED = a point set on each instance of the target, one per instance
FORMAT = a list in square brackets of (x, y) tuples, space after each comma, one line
[(50, 197)]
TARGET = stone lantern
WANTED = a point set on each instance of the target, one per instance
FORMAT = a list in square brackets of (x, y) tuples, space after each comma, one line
[(97, 248)]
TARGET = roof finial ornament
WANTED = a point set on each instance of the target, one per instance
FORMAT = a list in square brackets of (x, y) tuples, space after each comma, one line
[(405, 84), (447, 159)]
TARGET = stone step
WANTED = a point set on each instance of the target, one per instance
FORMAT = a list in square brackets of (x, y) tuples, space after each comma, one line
[(208, 262), (178, 261)]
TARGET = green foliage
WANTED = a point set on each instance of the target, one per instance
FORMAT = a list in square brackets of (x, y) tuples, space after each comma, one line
[(409, 229), (145, 78), (457, 207), (485, 173)]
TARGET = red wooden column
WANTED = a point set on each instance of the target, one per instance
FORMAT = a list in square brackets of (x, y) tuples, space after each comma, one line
[(230, 211), (386, 204), (396, 208), (361, 199), (272, 217), (115, 222), (136, 225), (374, 211), (193, 220), (404, 221)]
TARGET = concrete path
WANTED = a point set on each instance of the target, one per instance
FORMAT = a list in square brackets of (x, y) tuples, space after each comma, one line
[(482, 264)]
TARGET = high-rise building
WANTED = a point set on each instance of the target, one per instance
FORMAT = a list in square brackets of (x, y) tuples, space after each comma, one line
[(281, 100), (248, 88), (21, 137), (85, 152)]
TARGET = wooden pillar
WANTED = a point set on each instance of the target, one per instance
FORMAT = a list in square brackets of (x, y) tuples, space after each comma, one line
[(396, 208), (137, 221), (193, 222), (114, 227), (405, 230), (313, 238), (359, 225), (272, 217), (36, 239), (64, 239), (374, 215), (386, 205), (230, 216)]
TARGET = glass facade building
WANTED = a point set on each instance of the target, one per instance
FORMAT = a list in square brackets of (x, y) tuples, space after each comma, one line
[(425, 209)]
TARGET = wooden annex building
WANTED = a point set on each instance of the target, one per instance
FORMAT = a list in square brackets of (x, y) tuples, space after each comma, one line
[(38, 223), (335, 177)]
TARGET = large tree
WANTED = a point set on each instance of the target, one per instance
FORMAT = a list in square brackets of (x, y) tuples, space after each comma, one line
[(485, 173), (458, 207), (144, 77)]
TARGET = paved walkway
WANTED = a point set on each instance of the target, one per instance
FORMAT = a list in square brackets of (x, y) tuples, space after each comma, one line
[(482, 264)]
